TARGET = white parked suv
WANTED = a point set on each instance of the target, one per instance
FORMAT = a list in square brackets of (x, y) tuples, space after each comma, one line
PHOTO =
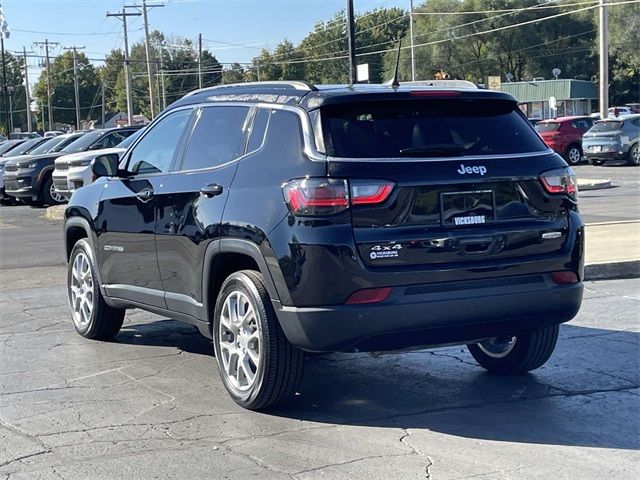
[(74, 170)]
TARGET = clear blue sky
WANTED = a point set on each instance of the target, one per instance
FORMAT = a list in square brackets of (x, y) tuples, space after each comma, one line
[(257, 23)]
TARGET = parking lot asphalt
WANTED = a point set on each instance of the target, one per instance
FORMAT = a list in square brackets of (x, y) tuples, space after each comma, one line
[(619, 203), (151, 405)]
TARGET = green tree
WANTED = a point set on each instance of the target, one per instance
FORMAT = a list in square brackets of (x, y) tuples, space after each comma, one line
[(62, 88), (15, 79), (624, 81), (234, 74)]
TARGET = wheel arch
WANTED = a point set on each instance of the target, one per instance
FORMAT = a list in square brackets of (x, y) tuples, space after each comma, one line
[(224, 257)]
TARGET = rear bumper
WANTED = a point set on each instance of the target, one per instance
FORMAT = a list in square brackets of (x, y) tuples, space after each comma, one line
[(434, 314), (606, 155)]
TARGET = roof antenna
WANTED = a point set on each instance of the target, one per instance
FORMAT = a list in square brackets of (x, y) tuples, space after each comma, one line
[(394, 82)]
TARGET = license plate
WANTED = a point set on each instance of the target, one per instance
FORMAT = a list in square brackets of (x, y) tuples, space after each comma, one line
[(470, 220), (596, 148), (467, 208)]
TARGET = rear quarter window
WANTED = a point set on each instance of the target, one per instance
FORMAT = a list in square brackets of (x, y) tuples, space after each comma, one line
[(427, 128)]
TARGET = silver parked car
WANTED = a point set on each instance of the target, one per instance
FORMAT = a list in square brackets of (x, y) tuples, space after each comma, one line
[(613, 139)]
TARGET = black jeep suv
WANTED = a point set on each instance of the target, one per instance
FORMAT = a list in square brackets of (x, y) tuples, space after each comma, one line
[(280, 218)]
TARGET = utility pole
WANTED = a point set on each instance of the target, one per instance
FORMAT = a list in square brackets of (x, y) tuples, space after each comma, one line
[(604, 59), (164, 91), (46, 44), (351, 26), (413, 55), (147, 47), (127, 76), (76, 85), (199, 60), (103, 103), (26, 89)]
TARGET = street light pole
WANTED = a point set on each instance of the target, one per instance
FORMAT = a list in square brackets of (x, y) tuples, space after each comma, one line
[(604, 59)]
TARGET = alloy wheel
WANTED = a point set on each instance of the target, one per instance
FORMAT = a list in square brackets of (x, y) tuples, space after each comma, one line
[(240, 341), (497, 347), (81, 290), (574, 155), (55, 196)]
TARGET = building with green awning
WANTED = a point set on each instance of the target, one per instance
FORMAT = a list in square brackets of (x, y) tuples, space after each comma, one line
[(573, 97)]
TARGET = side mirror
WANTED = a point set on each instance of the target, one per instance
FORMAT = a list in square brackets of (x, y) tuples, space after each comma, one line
[(105, 165)]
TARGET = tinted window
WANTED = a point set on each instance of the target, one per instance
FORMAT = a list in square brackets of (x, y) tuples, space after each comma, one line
[(68, 141), (6, 146), (154, 153), (427, 128), (47, 146), (258, 129), (607, 126), (547, 126), (130, 139), (216, 138), (25, 147), (114, 138), (83, 144)]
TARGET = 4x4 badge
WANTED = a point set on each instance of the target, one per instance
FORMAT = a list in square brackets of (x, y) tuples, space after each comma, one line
[(385, 251)]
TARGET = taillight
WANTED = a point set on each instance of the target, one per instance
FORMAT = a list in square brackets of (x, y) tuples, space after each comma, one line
[(370, 192), (327, 196), (316, 196), (561, 180)]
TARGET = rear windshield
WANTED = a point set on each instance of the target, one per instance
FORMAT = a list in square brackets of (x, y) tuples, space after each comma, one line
[(547, 127), (427, 128), (607, 126)]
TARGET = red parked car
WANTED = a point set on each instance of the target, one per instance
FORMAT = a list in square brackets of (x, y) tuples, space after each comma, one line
[(564, 135)]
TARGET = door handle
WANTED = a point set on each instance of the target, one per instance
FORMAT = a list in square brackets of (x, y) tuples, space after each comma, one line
[(145, 194), (211, 190)]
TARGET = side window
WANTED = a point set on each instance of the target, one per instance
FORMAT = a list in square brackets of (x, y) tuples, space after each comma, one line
[(155, 151), (217, 137), (258, 129)]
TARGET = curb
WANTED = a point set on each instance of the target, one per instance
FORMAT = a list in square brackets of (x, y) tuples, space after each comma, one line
[(599, 184), (55, 213), (612, 271)]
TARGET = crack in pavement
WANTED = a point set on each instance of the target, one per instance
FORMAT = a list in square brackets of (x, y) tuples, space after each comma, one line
[(355, 460), (415, 451)]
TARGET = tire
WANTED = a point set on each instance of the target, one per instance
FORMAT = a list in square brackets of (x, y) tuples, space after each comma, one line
[(573, 155), (49, 195), (634, 155), (100, 321), (527, 352), (257, 344), (595, 162)]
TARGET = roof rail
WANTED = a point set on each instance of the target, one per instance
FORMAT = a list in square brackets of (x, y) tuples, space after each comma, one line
[(296, 85)]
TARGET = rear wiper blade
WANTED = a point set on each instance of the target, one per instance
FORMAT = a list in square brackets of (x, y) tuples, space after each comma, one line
[(431, 151)]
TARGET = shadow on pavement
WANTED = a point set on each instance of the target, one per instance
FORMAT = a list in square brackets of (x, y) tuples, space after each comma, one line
[(583, 396), (165, 333)]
